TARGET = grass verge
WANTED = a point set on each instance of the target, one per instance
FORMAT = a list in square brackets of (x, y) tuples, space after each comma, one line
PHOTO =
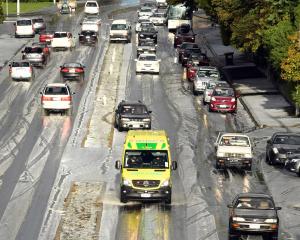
[(25, 7)]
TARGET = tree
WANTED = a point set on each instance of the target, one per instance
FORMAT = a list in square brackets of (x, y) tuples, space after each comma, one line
[(1, 12)]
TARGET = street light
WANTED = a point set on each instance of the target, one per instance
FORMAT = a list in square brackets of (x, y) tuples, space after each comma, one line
[(18, 7)]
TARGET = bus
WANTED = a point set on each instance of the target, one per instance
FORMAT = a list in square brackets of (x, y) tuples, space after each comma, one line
[(177, 15)]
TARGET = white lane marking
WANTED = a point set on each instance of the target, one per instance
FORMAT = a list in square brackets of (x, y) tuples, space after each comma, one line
[(205, 120), (113, 57), (175, 59)]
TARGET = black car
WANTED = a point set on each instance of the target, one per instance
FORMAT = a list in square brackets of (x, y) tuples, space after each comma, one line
[(147, 33), (146, 47), (184, 33), (187, 52), (253, 214), (88, 37), (197, 59), (132, 115), (183, 47), (280, 146), (72, 71)]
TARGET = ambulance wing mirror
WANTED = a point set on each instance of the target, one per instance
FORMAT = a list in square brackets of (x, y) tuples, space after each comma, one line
[(118, 164), (174, 165)]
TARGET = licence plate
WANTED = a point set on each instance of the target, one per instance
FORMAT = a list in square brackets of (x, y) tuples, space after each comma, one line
[(145, 195), (72, 70), (56, 99), (223, 106), (254, 226)]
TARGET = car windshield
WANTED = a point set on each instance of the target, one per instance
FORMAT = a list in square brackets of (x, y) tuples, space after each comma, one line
[(184, 30), (33, 50), (146, 10), (287, 139), (147, 58), (20, 64), (255, 203), (148, 28), (208, 73), (118, 27), (72, 65), (60, 35), (38, 20), (134, 109), (56, 91), (91, 4), (224, 92), (147, 43), (193, 50), (24, 22), (241, 141), (146, 158), (159, 15), (189, 45)]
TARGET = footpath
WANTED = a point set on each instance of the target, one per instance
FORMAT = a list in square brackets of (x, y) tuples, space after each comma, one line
[(259, 96)]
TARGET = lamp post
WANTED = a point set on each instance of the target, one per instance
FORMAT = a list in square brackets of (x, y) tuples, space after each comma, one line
[(6, 7), (18, 7)]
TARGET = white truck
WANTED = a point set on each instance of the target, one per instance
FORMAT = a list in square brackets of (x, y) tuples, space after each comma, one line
[(233, 150)]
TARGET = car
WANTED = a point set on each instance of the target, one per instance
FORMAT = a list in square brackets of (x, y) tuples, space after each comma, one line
[(62, 41), (148, 63), (146, 47), (72, 70), (46, 36), (88, 38), (35, 55), (120, 30), (202, 76), (44, 46), (56, 97), (253, 214), (132, 115), (38, 24), (161, 4), (24, 28), (280, 146), (186, 55), (88, 25), (93, 18), (183, 47), (65, 9), (223, 99), (144, 22), (293, 163), (233, 150), (184, 33), (159, 18), (210, 87), (151, 5), (145, 12), (196, 58), (91, 7), (148, 33), (21, 70)]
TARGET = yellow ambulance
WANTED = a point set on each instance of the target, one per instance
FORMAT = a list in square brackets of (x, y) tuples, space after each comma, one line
[(146, 167)]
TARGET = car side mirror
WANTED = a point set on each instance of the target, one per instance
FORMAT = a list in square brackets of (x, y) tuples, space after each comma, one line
[(118, 165), (229, 206), (278, 208), (174, 165)]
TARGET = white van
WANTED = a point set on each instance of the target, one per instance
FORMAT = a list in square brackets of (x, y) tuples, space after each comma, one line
[(24, 28), (91, 7)]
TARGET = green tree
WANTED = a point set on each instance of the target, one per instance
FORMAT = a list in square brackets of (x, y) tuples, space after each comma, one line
[(1, 11)]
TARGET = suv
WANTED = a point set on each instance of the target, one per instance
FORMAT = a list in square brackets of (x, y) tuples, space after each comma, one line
[(35, 55), (56, 97), (233, 150), (120, 31), (24, 28), (184, 33), (19, 70), (132, 115), (253, 214)]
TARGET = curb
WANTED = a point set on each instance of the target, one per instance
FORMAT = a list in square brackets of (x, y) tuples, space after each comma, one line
[(250, 114)]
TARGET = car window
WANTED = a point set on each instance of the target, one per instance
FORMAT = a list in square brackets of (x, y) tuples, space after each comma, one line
[(91, 4), (38, 20), (20, 64), (147, 58), (288, 139), (224, 92), (72, 65), (56, 91), (146, 159), (33, 50), (235, 141), (134, 109), (24, 22), (254, 203), (60, 35)]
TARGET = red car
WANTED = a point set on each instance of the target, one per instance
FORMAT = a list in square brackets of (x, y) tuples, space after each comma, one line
[(223, 100), (191, 71), (46, 36)]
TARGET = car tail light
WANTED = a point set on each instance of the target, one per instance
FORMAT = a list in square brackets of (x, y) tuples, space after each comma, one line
[(64, 70), (68, 98), (44, 98), (79, 70), (30, 69), (232, 99)]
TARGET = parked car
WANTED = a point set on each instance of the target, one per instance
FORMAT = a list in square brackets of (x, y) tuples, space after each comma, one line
[(72, 71), (253, 214), (184, 33), (35, 55), (21, 70), (185, 46), (280, 146), (46, 36), (91, 7), (132, 115), (56, 97), (159, 18), (24, 28), (38, 24), (146, 47), (148, 63), (210, 88), (202, 76), (148, 33), (145, 22), (88, 37), (62, 41), (120, 31), (233, 150), (223, 100)]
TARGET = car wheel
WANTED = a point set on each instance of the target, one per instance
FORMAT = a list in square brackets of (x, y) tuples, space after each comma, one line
[(123, 198), (68, 112), (298, 173), (168, 200), (45, 112), (129, 40), (218, 166), (203, 101), (231, 235), (120, 129), (248, 168), (209, 109), (271, 236)]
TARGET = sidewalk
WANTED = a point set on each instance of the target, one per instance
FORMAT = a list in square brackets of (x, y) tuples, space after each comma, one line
[(260, 97)]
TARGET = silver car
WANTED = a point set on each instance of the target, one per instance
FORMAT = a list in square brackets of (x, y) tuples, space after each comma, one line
[(158, 18), (38, 24)]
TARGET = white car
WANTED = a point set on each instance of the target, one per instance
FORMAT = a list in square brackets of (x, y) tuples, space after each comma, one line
[(203, 76), (145, 11), (62, 40), (56, 97), (120, 30), (91, 7), (21, 70), (87, 25), (148, 63), (24, 28), (158, 18)]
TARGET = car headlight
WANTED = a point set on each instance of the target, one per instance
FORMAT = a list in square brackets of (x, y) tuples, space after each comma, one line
[(232, 99), (146, 120), (270, 220), (275, 150), (141, 35), (125, 119), (221, 154), (165, 183), (127, 182), (248, 155), (238, 219)]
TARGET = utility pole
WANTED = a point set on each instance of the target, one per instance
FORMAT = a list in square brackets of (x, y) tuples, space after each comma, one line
[(6, 7), (18, 7)]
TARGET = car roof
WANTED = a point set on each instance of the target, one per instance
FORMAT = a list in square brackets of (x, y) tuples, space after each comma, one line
[(56, 85), (120, 21), (254, 195), (235, 134)]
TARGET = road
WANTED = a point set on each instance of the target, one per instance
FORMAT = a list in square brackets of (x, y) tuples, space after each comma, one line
[(54, 168)]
